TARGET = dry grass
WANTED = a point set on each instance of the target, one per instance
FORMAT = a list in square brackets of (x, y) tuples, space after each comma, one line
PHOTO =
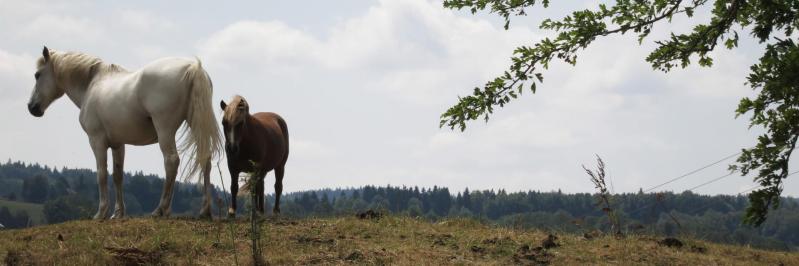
[(388, 240)]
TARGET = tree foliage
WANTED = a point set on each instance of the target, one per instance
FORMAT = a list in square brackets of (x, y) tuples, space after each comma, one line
[(66, 208), (775, 76), (56, 189), (777, 109)]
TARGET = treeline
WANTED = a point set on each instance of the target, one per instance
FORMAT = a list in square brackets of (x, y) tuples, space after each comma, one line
[(69, 194), (18, 219), (714, 218)]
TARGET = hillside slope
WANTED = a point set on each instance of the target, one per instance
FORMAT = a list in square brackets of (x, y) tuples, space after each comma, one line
[(33, 209), (392, 239)]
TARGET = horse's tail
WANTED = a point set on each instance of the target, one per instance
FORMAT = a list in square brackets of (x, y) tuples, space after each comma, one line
[(285, 129), (200, 143)]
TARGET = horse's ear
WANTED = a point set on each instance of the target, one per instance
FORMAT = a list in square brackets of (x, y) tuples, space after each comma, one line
[(46, 54), (222, 104)]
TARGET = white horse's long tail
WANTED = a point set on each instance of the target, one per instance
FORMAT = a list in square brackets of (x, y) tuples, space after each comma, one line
[(200, 142)]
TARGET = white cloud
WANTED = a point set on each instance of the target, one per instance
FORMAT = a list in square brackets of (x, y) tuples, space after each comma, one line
[(49, 27), (414, 50), (145, 22), (16, 75), (308, 149), (445, 139), (416, 56), (362, 93), (268, 46)]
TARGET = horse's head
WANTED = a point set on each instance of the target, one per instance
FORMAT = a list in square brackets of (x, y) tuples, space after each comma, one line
[(233, 119), (45, 91)]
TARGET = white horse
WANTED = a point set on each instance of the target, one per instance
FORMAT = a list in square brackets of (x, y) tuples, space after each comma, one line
[(119, 107)]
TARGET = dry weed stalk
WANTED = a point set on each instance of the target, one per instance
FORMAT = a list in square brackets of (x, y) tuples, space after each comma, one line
[(604, 197), (230, 221), (255, 232)]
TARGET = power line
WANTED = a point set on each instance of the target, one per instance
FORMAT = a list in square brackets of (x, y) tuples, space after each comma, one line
[(692, 172), (683, 176), (711, 181), (758, 186), (653, 205), (727, 175), (750, 189), (739, 193)]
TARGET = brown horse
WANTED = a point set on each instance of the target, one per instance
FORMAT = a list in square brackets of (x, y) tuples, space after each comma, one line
[(256, 144)]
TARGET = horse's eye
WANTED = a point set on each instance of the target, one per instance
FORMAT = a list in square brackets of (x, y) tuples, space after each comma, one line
[(36, 76)]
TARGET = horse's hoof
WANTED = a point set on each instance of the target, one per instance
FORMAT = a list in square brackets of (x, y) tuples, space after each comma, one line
[(118, 214), (101, 215), (102, 212), (205, 215), (231, 213), (158, 213)]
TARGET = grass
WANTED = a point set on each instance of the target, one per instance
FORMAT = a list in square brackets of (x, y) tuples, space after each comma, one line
[(349, 240), (35, 211)]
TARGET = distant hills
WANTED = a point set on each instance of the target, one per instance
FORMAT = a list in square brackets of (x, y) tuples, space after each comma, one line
[(32, 194)]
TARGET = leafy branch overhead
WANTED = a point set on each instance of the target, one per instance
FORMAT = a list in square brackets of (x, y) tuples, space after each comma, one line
[(775, 107)]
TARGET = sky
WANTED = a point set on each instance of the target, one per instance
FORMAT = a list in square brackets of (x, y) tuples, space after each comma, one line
[(361, 85)]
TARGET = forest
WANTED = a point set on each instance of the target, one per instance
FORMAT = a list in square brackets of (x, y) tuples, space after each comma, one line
[(68, 194)]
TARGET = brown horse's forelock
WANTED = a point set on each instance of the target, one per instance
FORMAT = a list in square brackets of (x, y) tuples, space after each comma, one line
[(234, 108)]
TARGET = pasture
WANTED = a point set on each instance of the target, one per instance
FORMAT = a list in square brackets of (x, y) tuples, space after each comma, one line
[(351, 240), (36, 211)]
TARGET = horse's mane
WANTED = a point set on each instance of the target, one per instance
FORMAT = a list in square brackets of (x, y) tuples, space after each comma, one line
[(230, 113), (74, 68)]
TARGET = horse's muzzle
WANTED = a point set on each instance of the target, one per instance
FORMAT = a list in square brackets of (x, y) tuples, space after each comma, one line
[(35, 109)]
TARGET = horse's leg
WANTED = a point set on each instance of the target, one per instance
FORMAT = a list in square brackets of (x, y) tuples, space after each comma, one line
[(118, 154), (234, 191), (100, 149), (166, 140), (278, 187), (259, 188), (205, 212)]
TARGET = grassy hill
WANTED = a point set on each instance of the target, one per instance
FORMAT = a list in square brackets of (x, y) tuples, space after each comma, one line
[(34, 210), (387, 240)]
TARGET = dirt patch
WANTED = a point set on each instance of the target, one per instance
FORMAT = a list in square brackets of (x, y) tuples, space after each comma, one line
[(284, 223), (549, 242), (440, 236), (532, 256), (369, 215), (313, 240), (671, 242), (592, 234), (354, 256), (14, 257), (698, 249), (442, 240), (478, 249), (319, 259), (135, 256), (496, 240)]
